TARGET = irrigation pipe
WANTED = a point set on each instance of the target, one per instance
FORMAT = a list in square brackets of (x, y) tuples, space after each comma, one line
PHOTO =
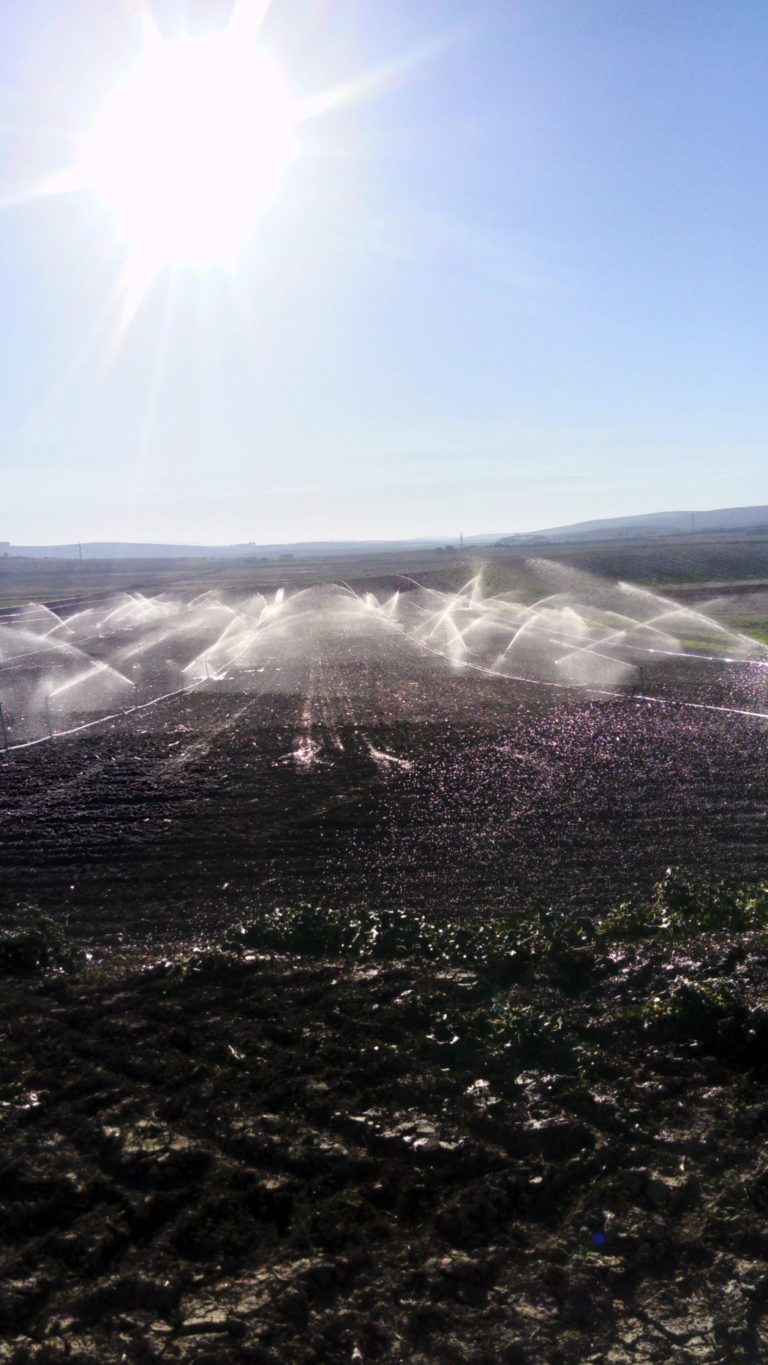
[(571, 687), (102, 720)]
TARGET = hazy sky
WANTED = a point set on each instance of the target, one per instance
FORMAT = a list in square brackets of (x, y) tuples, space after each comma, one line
[(517, 277)]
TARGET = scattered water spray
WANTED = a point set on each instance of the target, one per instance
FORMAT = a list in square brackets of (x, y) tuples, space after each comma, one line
[(560, 629)]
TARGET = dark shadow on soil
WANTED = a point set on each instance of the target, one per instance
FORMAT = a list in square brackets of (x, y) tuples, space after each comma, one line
[(249, 1157)]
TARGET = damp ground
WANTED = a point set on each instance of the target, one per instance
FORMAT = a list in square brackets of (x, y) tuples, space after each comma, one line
[(541, 1143), (466, 797), (466, 1087)]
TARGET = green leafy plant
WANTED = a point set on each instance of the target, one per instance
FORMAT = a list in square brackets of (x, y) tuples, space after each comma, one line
[(712, 1012), (528, 1030), (388, 933), (502, 944), (682, 906)]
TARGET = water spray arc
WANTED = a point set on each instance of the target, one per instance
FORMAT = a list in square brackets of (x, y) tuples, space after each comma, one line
[(62, 673)]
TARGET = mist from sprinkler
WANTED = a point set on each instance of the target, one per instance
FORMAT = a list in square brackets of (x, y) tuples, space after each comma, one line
[(563, 628)]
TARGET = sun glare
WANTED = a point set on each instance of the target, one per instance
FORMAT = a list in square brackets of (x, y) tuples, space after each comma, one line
[(190, 150)]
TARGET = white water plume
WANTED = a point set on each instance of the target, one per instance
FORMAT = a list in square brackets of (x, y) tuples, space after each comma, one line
[(329, 643), (601, 637), (98, 688), (589, 668), (17, 644), (88, 622), (38, 619)]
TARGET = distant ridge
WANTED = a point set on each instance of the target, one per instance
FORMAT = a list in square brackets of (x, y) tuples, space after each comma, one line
[(645, 525), (298, 550), (652, 524)]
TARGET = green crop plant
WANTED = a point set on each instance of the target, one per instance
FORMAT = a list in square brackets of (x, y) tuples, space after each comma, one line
[(682, 906), (712, 1012)]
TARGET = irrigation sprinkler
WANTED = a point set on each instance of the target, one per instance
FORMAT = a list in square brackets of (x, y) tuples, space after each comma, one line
[(48, 718), (3, 729)]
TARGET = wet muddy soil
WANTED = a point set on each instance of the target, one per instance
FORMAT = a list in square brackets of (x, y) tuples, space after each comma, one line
[(254, 1157), (273, 1159), (161, 826)]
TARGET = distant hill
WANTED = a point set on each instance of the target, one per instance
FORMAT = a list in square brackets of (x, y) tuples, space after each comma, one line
[(651, 524), (729, 519), (298, 550)]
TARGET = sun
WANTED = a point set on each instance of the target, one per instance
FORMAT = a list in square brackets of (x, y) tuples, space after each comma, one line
[(189, 151)]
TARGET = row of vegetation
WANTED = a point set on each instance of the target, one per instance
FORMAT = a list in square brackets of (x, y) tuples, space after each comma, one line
[(680, 908), (541, 973)]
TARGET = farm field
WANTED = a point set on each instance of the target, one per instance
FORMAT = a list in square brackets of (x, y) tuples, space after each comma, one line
[(685, 561), (359, 1012), (383, 922), (419, 747)]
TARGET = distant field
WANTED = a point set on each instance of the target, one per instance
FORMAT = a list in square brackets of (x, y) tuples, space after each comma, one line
[(678, 561)]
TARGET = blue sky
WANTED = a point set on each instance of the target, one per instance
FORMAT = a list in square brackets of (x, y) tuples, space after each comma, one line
[(519, 280)]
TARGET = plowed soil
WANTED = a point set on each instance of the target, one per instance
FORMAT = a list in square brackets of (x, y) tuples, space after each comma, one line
[(164, 825), (294, 1160), (290, 1159)]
